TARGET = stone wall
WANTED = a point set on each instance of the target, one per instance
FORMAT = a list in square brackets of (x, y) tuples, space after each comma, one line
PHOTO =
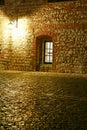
[(65, 22)]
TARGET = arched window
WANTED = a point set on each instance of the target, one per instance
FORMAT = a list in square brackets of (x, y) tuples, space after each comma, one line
[(2, 2)]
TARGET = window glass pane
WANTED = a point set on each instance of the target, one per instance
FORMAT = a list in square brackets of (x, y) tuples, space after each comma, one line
[(46, 58), (50, 51), (50, 58), (46, 52), (51, 45), (47, 45)]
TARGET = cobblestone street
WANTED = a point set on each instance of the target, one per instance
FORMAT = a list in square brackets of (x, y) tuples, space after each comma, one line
[(42, 101)]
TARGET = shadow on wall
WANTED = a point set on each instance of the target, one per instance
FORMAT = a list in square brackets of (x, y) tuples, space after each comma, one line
[(13, 7)]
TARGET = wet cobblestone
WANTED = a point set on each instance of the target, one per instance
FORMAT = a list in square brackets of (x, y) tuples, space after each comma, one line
[(42, 101)]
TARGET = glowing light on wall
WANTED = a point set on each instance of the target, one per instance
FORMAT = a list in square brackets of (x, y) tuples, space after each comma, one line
[(20, 31), (15, 30)]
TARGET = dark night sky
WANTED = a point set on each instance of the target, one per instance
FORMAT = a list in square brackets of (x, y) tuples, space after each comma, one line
[(59, 0)]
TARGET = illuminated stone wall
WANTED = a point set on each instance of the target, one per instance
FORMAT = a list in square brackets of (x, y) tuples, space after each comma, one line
[(65, 22)]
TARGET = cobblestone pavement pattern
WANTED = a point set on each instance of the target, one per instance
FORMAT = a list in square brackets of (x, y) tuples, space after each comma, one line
[(42, 101)]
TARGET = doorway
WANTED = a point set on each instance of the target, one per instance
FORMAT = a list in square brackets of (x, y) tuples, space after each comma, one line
[(44, 53)]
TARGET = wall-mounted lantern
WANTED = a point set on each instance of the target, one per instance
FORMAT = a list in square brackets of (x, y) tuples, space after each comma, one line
[(13, 24), (10, 25)]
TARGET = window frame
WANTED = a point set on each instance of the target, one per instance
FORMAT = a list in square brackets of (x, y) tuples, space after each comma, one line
[(50, 56)]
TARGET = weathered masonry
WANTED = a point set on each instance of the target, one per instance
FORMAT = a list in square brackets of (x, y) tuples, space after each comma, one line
[(43, 35)]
